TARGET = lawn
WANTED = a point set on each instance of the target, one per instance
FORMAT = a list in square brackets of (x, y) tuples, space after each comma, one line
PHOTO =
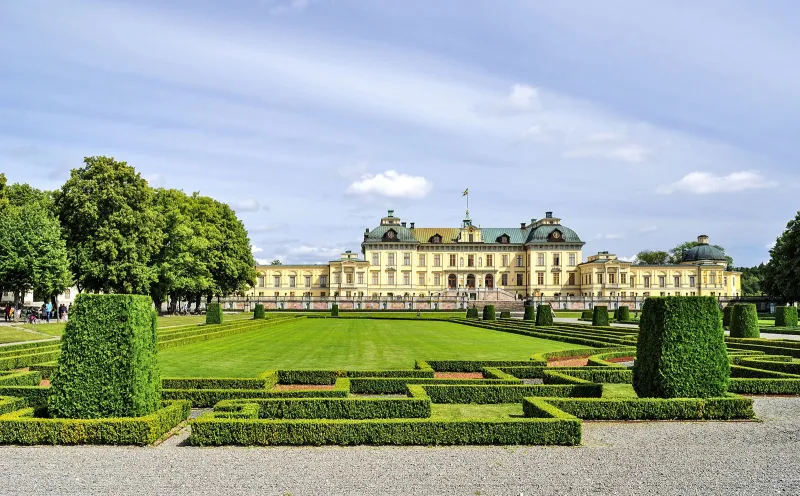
[(14, 335), (346, 344), (383, 315)]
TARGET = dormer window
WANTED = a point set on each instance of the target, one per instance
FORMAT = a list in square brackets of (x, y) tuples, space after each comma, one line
[(436, 238), (503, 239), (391, 235), (555, 236)]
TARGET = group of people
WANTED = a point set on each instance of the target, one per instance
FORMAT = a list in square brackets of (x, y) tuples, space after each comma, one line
[(13, 313)]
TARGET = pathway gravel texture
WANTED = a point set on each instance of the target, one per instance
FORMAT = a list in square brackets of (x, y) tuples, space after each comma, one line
[(634, 458)]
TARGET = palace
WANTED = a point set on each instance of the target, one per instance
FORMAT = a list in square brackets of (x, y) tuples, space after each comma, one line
[(540, 259)]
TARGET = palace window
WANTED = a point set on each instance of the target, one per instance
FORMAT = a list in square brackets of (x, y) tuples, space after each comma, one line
[(489, 260), (705, 279), (406, 259), (504, 279), (504, 239), (556, 259), (519, 279), (361, 278), (471, 238), (612, 278), (677, 293), (725, 280), (539, 278), (422, 279), (539, 259), (556, 278), (406, 279), (437, 260), (599, 278), (391, 260), (470, 260), (622, 294), (662, 281), (452, 260), (436, 239), (422, 260), (308, 281), (519, 260), (323, 281), (277, 293), (336, 278), (376, 259), (633, 280), (260, 282), (677, 280), (571, 279), (713, 278), (692, 282), (348, 278), (572, 260), (390, 278), (647, 281), (292, 281), (277, 280), (623, 277), (374, 278), (437, 280)]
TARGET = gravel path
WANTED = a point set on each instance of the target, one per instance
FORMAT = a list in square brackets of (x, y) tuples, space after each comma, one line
[(620, 458)]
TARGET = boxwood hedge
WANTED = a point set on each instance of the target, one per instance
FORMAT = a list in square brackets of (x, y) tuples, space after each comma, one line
[(681, 349), (335, 310), (622, 314), (258, 311), (726, 315), (489, 313), (786, 317), (530, 313), (472, 312), (214, 313), (600, 316), (335, 408), (744, 321), (544, 315), (107, 366)]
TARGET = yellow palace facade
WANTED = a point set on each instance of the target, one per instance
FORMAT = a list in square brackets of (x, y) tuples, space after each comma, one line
[(541, 259)]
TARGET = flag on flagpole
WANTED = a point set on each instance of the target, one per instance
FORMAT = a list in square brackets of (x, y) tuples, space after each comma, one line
[(466, 192)]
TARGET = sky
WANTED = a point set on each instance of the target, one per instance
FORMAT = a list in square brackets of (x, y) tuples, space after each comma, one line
[(640, 124)]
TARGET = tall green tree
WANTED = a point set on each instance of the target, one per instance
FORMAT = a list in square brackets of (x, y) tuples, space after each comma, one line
[(33, 255), (110, 225), (782, 272), (3, 199), (676, 254), (651, 257)]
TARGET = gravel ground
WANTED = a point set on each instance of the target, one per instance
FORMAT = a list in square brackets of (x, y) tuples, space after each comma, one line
[(616, 458)]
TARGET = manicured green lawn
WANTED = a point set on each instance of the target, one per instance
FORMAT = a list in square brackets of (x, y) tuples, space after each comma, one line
[(457, 411), (346, 344), (13, 335), (619, 391), (383, 315)]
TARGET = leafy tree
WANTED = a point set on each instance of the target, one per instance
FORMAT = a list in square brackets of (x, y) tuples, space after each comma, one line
[(650, 257), (782, 272), (752, 279), (111, 227), (33, 255), (276, 262), (3, 199), (676, 254)]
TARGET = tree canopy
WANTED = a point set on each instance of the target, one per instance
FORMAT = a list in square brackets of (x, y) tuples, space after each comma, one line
[(651, 257), (782, 272), (276, 262)]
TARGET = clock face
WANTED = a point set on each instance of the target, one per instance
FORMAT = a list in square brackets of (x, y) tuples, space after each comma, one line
[(390, 235), (556, 234)]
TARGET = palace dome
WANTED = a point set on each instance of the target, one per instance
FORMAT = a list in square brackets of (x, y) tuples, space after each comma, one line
[(703, 252)]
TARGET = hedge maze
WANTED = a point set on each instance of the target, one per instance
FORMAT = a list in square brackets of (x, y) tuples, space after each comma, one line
[(540, 400)]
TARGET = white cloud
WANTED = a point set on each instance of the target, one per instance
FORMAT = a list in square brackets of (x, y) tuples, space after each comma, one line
[(524, 97), (609, 236), (155, 180), (255, 249), (627, 153), (391, 184), (705, 183), (648, 229), (631, 258), (246, 205)]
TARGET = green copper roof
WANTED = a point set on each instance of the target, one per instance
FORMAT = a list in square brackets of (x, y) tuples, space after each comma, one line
[(404, 234), (703, 252), (542, 233)]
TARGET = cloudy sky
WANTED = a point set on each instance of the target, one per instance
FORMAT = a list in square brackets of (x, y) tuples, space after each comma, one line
[(640, 124)]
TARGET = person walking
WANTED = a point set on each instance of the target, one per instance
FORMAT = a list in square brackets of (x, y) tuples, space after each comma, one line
[(62, 313), (19, 310), (7, 312), (49, 308)]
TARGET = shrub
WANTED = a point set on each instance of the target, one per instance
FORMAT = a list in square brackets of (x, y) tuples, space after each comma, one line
[(744, 321), (530, 313), (587, 314), (107, 366), (490, 393), (335, 408), (724, 408), (600, 316), (472, 312), (258, 312), (726, 315), (505, 314), (622, 314), (335, 310), (214, 313), (489, 313), (786, 317), (544, 315), (681, 349)]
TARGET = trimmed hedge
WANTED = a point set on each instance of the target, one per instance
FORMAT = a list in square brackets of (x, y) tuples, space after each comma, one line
[(587, 314), (786, 317), (334, 408), (622, 314), (558, 428), (764, 386), (472, 313), (335, 310), (505, 314), (326, 377), (726, 315), (214, 313), (530, 313), (378, 385), (20, 427), (681, 349), (544, 315), (31, 378), (206, 398), (258, 312), (723, 408), (215, 383), (10, 404), (35, 396), (489, 313), (107, 366), (488, 394), (744, 321), (600, 316), (476, 365)]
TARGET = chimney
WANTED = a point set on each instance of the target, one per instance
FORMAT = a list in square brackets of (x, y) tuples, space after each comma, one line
[(522, 225), (548, 215), (412, 225), (702, 239), (403, 224), (366, 231)]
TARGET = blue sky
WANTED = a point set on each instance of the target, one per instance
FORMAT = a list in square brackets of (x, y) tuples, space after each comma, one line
[(640, 124)]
